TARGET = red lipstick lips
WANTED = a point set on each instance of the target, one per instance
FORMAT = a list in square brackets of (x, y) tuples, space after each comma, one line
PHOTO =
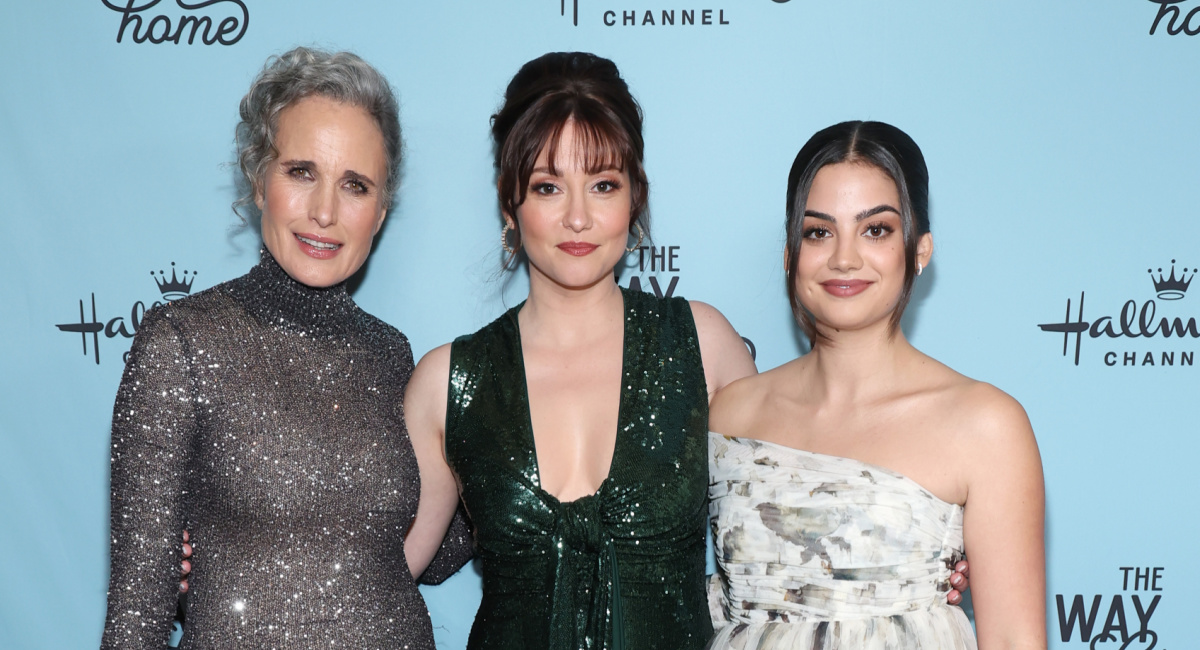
[(845, 288), (577, 248)]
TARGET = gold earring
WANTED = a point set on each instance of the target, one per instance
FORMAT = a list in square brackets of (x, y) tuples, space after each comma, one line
[(504, 239), (641, 236)]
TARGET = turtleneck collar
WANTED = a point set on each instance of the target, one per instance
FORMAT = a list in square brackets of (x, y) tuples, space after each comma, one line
[(272, 296)]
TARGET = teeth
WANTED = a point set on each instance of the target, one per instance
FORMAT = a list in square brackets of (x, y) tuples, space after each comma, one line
[(318, 245)]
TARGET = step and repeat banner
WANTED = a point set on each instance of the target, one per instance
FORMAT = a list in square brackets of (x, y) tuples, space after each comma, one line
[(1061, 141)]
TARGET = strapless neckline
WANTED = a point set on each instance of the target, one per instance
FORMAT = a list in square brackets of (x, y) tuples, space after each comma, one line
[(878, 469)]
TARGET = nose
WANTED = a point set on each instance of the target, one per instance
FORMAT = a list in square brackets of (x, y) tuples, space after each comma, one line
[(577, 218), (323, 208), (845, 255)]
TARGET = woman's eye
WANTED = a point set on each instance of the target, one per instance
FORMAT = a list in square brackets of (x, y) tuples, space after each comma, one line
[(816, 233), (605, 187), (544, 188), (878, 231), (299, 172), (358, 187)]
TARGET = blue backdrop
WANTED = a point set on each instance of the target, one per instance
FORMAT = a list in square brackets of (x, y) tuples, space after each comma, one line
[(1061, 146)]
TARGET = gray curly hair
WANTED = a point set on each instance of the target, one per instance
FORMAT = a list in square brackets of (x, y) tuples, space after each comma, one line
[(305, 72)]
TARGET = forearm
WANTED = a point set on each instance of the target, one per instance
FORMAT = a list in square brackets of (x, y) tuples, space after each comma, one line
[(456, 550)]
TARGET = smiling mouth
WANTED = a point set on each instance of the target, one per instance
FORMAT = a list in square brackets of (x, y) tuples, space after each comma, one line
[(578, 249), (319, 245), (845, 288)]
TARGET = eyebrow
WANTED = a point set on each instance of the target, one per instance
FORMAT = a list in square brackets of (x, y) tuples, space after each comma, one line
[(546, 170), (353, 175), (865, 214), (349, 174)]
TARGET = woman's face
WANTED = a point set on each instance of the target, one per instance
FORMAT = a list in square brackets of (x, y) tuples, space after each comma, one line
[(574, 225), (322, 197), (851, 265)]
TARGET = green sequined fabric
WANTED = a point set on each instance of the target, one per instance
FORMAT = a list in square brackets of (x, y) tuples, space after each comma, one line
[(621, 569)]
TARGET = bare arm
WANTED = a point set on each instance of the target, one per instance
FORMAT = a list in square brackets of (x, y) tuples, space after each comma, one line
[(1004, 523), (425, 417), (725, 356)]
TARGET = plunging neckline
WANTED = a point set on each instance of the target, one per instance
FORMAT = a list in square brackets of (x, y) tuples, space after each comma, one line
[(621, 405)]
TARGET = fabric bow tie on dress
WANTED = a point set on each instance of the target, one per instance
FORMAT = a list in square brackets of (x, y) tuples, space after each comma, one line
[(586, 604)]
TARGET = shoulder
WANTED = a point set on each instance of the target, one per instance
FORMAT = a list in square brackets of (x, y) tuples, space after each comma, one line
[(386, 338), (179, 317), (735, 408), (725, 355), (987, 426), (707, 316), (200, 310), (985, 411), (434, 365), (425, 396), (711, 324), (486, 337)]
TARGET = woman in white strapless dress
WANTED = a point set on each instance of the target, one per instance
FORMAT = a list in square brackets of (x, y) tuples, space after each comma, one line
[(845, 484)]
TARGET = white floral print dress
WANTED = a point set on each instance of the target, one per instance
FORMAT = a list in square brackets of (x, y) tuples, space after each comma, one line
[(822, 552)]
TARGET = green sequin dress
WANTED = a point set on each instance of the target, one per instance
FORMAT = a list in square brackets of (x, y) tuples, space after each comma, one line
[(621, 569)]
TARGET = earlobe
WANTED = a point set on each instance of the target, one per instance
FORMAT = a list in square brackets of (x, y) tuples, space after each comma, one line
[(379, 223), (924, 250)]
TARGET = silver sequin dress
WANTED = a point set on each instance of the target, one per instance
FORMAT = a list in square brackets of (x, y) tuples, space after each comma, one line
[(265, 417), (821, 552)]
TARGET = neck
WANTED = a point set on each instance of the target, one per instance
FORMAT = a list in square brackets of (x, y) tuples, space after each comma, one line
[(277, 299), (853, 366), (568, 316)]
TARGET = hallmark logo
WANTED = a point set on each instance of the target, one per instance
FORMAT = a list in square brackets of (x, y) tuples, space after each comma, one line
[(222, 23), (1135, 322), (644, 17), (1177, 21), (1170, 288), (172, 289), (1080, 619)]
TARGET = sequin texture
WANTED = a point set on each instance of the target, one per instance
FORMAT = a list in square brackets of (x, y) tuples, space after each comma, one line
[(265, 416), (621, 568)]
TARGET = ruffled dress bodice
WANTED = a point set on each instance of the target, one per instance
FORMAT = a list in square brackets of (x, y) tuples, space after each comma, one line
[(826, 552)]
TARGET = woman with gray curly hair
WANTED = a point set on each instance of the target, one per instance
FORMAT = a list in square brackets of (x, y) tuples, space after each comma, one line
[(264, 414)]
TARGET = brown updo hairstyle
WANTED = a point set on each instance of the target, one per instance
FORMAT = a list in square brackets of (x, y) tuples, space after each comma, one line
[(878, 145), (550, 91)]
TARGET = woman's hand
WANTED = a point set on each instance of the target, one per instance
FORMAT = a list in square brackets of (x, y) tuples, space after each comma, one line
[(958, 583), (186, 565)]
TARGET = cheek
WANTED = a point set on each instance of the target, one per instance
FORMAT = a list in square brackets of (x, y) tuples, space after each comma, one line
[(364, 224), (812, 257), (278, 204)]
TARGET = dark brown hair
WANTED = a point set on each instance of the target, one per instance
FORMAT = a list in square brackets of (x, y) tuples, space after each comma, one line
[(878, 145), (562, 87)]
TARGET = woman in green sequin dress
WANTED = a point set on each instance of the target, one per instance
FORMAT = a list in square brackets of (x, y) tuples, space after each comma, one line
[(575, 425)]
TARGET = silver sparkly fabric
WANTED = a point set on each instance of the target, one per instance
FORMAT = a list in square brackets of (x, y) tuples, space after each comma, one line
[(265, 417)]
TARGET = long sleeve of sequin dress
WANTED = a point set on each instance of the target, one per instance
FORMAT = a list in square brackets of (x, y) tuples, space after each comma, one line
[(266, 417), (153, 424)]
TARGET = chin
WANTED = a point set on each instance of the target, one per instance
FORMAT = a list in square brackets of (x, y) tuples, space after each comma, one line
[(313, 275)]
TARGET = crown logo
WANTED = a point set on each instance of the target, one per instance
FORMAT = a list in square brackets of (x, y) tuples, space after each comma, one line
[(1170, 288), (175, 288)]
